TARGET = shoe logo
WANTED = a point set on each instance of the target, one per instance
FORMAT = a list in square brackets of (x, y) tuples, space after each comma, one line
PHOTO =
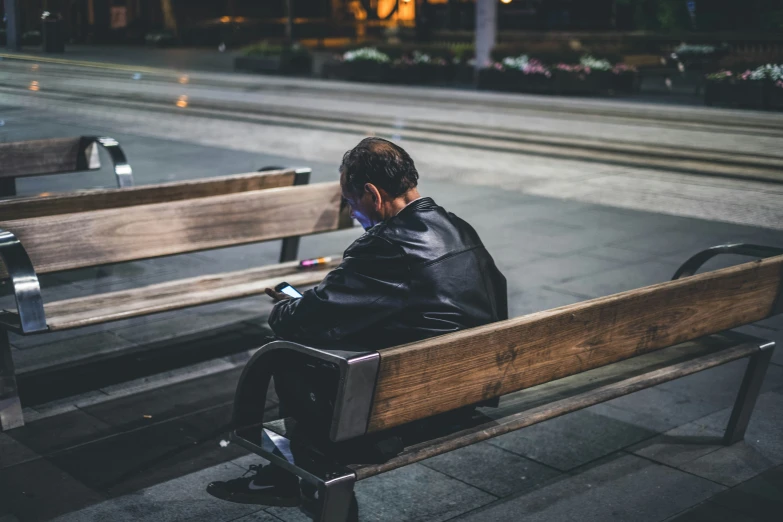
[(254, 487)]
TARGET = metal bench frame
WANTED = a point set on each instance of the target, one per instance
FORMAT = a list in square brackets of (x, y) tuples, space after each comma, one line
[(334, 482), (88, 160)]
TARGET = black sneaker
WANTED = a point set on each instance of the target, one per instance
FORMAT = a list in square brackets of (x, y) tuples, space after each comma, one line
[(270, 486)]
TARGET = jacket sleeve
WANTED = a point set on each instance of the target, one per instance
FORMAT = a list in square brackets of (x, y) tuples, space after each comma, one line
[(371, 283)]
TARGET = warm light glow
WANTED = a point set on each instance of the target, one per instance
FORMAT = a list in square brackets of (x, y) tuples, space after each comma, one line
[(505, 1), (34, 86), (184, 79), (405, 10), (34, 67), (358, 10), (182, 101), (225, 19)]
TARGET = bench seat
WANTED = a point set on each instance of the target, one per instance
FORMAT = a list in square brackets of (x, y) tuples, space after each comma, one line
[(545, 401), (171, 295)]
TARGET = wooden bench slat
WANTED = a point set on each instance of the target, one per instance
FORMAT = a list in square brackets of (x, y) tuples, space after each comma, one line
[(172, 295), (556, 398), (37, 157), (422, 379), (70, 241), (99, 199)]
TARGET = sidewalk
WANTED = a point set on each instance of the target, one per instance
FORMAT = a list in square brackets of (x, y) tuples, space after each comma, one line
[(646, 457)]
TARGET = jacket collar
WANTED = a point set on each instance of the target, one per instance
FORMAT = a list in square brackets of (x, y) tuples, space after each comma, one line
[(423, 203)]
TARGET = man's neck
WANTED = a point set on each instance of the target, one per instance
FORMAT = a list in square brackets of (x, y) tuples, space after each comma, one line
[(403, 201)]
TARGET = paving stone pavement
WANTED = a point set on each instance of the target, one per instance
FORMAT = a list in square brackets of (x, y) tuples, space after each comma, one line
[(649, 456)]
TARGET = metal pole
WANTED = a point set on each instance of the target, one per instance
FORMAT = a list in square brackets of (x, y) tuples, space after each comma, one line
[(486, 31), (12, 27)]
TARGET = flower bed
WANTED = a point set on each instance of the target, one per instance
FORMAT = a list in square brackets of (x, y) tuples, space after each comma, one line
[(761, 88), (511, 73), (517, 74), (589, 77), (422, 69), (371, 65), (362, 65)]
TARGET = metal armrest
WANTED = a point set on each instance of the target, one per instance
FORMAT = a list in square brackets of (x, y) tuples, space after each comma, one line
[(357, 375), (27, 291), (693, 264), (122, 168)]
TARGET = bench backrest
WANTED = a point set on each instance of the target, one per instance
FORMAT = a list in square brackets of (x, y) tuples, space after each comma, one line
[(58, 155), (422, 379), (67, 241), (98, 199)]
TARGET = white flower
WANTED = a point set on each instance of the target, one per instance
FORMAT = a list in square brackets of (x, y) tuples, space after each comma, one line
[(516, 62), (419, 57), (594, 63), (769, 71), (366, 53)]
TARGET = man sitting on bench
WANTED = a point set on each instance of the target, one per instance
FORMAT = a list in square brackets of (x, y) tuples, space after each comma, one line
[(418, 271)]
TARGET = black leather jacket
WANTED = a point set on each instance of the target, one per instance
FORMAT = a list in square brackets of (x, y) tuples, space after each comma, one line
[(419, 274)]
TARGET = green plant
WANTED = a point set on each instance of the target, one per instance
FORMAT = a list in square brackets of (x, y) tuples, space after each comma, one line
[(266, 49), (462, 52), (719, 76)]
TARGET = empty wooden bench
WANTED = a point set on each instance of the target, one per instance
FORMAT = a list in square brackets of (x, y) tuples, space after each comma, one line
[(541, 366), (47, 243), (59, 156)]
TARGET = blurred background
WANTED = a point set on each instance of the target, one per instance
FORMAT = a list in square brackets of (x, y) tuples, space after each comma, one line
[(595, 145)]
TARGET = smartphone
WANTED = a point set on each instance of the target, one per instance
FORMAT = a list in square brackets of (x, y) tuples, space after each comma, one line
[(288, 290)]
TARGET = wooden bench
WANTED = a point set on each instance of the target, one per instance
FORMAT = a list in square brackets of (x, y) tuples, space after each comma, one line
[(59, 156), (100, 199), (541, 366), (143, 223)]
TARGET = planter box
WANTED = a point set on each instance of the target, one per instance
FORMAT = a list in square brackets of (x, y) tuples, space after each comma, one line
[(746, 94), (624, 83), (359, 71), (776, 98), (289, 65), (515, 81), (580, 83), (464, 74), (423, 74)]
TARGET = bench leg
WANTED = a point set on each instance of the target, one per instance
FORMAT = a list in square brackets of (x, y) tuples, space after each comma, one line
[(10, 406), (748, 393), (289, 250), (334, 499), (7, 187)]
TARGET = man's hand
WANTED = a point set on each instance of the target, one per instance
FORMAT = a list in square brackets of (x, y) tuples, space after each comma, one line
[(277, 296)]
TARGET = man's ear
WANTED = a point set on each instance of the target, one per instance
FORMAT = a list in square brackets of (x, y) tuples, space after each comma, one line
[(375, 194)]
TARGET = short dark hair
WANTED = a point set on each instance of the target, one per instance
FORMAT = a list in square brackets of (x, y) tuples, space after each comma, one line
[(382, 163)]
